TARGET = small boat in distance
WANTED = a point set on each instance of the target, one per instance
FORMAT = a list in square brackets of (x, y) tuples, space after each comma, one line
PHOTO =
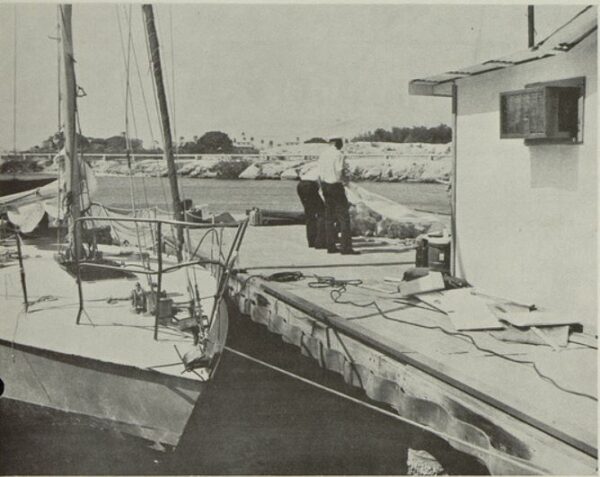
[(14, 183), (121, 320)]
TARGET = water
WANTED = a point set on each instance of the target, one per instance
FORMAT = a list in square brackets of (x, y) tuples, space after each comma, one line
[(236, 196), (252, 420)]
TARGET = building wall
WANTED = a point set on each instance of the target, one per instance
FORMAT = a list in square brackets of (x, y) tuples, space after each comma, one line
[(527, 215)]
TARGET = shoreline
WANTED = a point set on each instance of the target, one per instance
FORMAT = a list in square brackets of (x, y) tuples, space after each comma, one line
[(366, 162), (29, 176), (407, 169)]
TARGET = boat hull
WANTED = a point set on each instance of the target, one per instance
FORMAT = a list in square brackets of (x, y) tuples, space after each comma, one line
[(12, 184), (142, 402)]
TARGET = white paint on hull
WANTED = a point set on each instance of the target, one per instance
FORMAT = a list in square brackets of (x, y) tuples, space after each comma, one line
[(141, 402), (109, 367)]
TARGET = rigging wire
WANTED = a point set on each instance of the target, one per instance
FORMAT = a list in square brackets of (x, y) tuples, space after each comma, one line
[(59, 217), (174, 126), (169, 85), (446, 436), (131, 50), (173, 80), (173, 109), (59, 125), (154, 86), (128, 104), (14, 138), (60, 177), (128, 92), (149, 123), (143, 94), (157, 110), (82, 173)]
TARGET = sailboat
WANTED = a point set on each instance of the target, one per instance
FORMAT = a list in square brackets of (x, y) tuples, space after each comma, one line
[(128, 338)]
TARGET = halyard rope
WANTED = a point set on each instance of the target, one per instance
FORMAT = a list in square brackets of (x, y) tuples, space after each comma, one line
[(398, 417)]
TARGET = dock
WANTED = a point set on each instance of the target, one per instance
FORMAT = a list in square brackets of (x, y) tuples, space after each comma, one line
[(519, 408)]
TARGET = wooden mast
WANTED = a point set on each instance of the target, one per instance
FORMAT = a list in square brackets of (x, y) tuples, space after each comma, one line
[(72, 169), (530, 26), (165, 123)]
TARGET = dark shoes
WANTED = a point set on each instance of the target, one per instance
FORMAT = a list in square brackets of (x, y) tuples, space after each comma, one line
[(350, 252), (344, 252)]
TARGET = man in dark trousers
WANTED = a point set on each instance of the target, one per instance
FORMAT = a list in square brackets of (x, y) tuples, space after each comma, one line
[(314, 208), (331, 173)]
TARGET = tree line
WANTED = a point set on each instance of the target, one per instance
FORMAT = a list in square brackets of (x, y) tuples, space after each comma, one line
[(217, 142), (212, 142), (94, 145), (441, 134)]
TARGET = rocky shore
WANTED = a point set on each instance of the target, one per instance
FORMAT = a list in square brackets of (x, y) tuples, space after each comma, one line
[(378, 162)]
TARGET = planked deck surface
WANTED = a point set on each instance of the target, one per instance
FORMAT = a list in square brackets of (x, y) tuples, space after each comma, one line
[(515, 387)]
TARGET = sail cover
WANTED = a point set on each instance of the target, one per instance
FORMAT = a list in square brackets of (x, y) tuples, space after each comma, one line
[(374, 214), (385, 207), (26, 209)]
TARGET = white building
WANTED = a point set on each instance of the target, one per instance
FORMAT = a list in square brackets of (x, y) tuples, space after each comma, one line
[(526, 178)]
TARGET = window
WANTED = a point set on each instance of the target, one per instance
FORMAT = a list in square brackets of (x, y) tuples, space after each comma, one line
[(549, 112)]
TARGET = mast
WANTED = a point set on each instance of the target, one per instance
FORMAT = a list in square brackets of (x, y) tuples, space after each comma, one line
[(530, 26), (165, 123), (72, 170)]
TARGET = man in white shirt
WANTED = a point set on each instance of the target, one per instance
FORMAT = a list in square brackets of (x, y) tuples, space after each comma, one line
[(331, 171), (314, 207)]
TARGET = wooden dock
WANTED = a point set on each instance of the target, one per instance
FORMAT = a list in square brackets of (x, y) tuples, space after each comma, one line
[(485, 396)]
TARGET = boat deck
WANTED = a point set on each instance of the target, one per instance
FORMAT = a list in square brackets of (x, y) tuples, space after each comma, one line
[(109, 330), (548, 398)]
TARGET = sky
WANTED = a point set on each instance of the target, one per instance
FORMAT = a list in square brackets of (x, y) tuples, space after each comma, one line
[(273, 71)]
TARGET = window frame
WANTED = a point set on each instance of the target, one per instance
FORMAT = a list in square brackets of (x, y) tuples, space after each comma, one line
[(549, 116)]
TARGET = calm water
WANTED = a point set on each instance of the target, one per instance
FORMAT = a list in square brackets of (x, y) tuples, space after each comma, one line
[(252, 420), (236, 196)]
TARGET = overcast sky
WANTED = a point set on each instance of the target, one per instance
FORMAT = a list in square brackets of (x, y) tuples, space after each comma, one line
[(272, 71)]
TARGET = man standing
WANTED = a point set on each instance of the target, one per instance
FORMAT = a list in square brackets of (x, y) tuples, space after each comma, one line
[(331, 172), (314, 208)]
